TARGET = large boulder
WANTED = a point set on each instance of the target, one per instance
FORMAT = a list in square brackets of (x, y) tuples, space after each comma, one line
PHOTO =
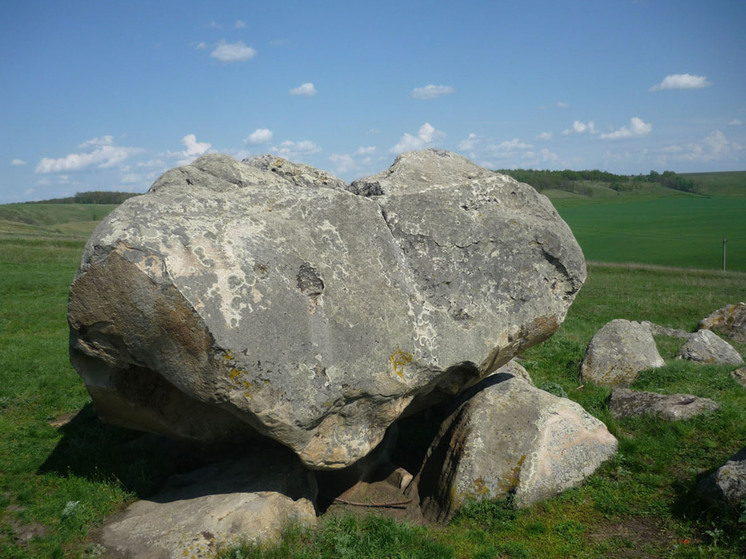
[(704, 346), (510, 437), (730, 320), (618, 352), (632, 403), (727, 484), (238, 299), (215, 506)]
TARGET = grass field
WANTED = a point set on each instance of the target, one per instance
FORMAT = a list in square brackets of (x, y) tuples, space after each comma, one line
[(663, 227), (62, 472)]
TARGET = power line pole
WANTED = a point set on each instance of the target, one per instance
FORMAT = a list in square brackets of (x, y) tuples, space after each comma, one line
[(724, 241)]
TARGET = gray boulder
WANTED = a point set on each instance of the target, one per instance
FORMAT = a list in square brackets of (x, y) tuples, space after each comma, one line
[(632, 403), (707, 347), (214, 506), (727, 485), (261, 298), (510, 437), (730, 321), (618, 352)]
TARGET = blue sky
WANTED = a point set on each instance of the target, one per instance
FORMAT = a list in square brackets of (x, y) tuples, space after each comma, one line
[(106, 95)]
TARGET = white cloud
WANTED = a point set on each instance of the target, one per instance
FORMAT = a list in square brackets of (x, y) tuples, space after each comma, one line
[(579, 127), (682, 81), (736, 122), (374, 131), (289, 149), (344, 163), (202, 45), (714, 147), (259, 136), (100, 152), (511, 145), (215, 25), (232, 52), (18, 162), (469, 143), (193, 148), (425, 135), (431, 91), (544, 136), (636, 128), (240, 24), (306, 89), (365, 150), (562, 105)]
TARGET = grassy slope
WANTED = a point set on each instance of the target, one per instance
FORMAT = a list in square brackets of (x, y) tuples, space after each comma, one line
[(62, 221)]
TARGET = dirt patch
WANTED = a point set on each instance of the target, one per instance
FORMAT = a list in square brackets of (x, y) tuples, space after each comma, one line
[(635, 537)]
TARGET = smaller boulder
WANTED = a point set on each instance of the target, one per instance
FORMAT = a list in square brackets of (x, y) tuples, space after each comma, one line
[(727, 484), (729, 321), (658, 330), (739, 375), (632, 403), (618, 352), (707, 347), (509, 437), (197, 513)]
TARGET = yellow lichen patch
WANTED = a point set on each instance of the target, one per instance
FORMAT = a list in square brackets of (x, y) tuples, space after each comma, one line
[(398, 361), (480, 487), (239, 382)]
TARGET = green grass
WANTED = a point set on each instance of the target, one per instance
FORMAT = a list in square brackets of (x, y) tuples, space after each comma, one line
[(50, 221), (725, 184), (64, 481)]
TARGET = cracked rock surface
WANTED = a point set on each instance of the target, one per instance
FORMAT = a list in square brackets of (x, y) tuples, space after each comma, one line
[(266, 298)]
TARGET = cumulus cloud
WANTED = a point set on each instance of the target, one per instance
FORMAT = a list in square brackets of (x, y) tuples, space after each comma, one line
[(306, 89), (259, 136), (544, 136), (99, 152), (469, 143), (289, 149), (240, 24), (736, 122), (232, 52), (682, 81), (365, 150), (714, 147), (636, 128), (431, 91), (193, 148), (18, 162), (426, 135), (344, 163), (579, 127)]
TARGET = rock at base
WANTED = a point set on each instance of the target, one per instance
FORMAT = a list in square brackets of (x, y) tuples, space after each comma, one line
[(730, 321), (707, 347), (252, 498), (632, 403), (618, 352), (727, 485), (510, 437)]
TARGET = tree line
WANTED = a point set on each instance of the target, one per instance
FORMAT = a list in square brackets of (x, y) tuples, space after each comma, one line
[(92, 197), (578, 181)]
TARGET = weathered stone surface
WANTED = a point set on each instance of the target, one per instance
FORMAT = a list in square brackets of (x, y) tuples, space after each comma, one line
[(237, 299), (727, 485), (510, 437), (705, 346), (252, 498), (730, 321), (739, 375), (633, 403), (618, 352), (515, 369)]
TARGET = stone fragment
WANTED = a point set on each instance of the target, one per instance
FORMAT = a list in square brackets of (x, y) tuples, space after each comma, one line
[(261, 298), (658, 330), (510, 437), (727, 485), (252, 498), (739, 375), (704, 346), (729, 321), (632, 403), (618, 352)]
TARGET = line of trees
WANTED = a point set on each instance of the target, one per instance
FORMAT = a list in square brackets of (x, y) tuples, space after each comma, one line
[(92, 197), (579, 182)]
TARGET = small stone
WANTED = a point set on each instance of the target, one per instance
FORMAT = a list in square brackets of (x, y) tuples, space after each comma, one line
[(632, 403), (707, 347)]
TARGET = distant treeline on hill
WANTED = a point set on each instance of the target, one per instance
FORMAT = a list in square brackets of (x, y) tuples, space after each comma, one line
[(93, 197), (578, 181)]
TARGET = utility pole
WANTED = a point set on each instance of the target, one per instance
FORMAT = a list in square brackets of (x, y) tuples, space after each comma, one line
[(724, 241)]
